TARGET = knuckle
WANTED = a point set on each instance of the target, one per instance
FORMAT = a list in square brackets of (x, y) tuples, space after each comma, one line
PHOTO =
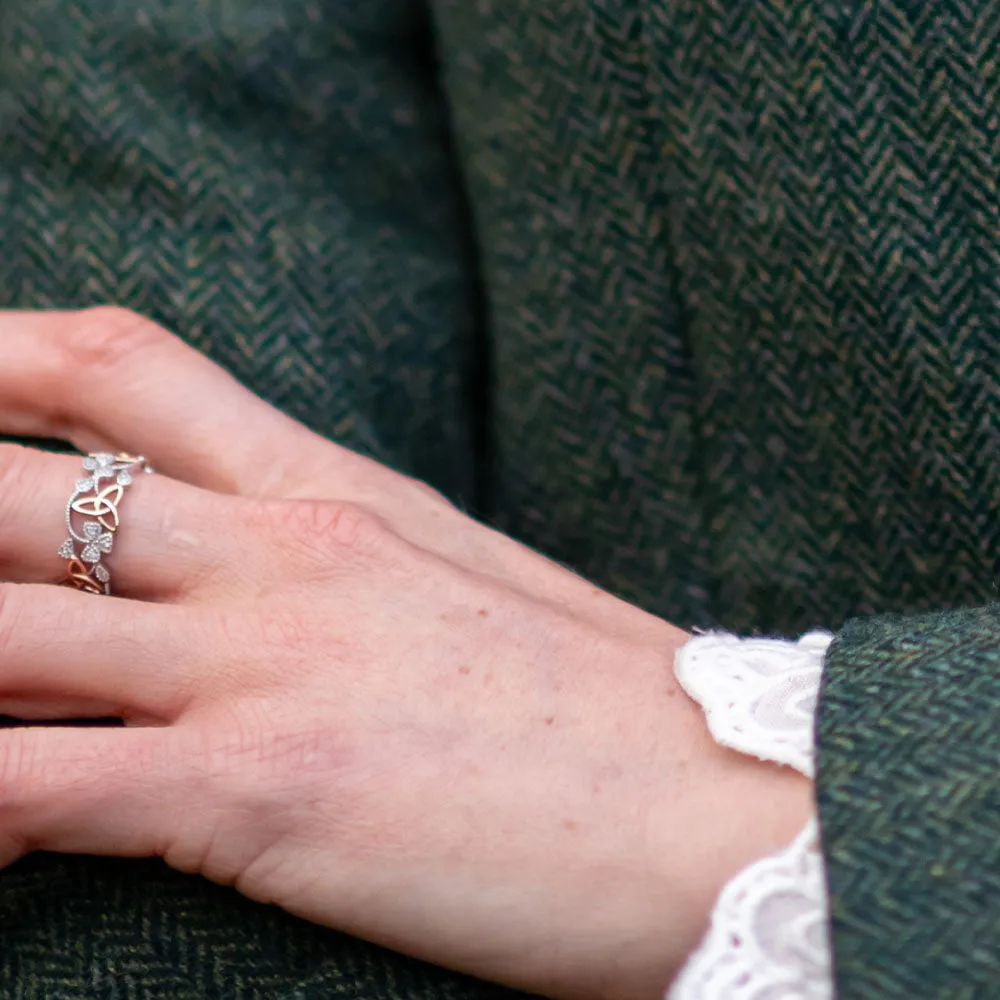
[(105, 338), (333, 528), (346, 525), (285, 631)]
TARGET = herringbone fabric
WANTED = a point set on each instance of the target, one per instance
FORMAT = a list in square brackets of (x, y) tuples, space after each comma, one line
[(740, 264), (910, 803), (595, 393), (96, 929), (743, 256)]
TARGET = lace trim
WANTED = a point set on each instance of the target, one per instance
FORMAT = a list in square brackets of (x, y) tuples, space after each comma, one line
[(769, 937)]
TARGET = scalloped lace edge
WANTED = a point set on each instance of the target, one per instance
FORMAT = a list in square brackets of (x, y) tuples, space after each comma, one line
[(769, 932)]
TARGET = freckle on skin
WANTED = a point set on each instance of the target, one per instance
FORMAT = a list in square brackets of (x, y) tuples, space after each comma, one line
[(569, 824), (464, 670), (483, 612), (549, 719)]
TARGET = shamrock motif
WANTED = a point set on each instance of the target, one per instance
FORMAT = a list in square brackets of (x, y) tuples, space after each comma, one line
[(68, 549), (98, 542), (101, 465)]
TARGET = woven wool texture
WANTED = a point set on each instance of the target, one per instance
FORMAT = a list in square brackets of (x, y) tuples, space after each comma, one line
[(910, 803), (698, 297), (744, 258)]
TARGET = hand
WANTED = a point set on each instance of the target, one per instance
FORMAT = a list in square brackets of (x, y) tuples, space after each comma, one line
[(342, 695)]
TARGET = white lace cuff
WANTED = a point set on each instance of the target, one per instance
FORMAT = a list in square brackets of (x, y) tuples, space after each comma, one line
[(768, 938)]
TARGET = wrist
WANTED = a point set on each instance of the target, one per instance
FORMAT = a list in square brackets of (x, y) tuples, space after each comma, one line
[(684, 817)]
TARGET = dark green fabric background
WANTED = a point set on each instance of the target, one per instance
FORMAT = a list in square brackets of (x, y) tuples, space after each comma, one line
[(699, 297), (910, 802)]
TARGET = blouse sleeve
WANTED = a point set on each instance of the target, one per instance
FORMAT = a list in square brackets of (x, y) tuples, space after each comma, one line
[(769, 931)]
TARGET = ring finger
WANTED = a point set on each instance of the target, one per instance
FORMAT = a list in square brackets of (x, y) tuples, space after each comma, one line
[(171, 536)]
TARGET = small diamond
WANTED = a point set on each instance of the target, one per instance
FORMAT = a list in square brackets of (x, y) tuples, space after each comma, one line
[(100, 465), (98, 545), (125, 478), (92, 531), (101, 573), (68, 549), (84, 485)]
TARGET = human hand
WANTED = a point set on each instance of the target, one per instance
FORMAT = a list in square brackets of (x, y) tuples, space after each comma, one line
[(344, 696)]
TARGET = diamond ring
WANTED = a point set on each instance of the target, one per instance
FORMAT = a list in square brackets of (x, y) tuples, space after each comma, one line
[(93, 518)]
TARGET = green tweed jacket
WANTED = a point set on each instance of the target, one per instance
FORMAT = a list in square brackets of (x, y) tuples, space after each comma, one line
[(701, 297)]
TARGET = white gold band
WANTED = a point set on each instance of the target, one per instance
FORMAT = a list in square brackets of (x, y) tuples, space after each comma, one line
[(93, 518)]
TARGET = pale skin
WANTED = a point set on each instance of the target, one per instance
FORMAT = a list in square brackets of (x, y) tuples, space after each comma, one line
[(343, 696)]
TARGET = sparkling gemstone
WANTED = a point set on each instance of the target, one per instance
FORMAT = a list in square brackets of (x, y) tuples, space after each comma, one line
[(101, 573), (101, 544), (68, 549), (100, 465), (125, 478)]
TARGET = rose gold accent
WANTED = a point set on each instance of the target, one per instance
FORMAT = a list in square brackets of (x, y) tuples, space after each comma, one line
[(81, 579), (101, 507), (102, 504)]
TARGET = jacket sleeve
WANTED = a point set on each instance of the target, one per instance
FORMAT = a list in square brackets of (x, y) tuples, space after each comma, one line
[(909, 802)]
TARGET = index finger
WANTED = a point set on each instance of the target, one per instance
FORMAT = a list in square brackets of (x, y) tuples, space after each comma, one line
[(109, 379)]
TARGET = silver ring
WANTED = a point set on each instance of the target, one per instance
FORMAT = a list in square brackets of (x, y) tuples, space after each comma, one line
[(93, 518)]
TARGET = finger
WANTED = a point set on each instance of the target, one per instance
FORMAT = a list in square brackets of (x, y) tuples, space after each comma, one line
[(106, 657), (171, 539), (85, 791), (108, 379)]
